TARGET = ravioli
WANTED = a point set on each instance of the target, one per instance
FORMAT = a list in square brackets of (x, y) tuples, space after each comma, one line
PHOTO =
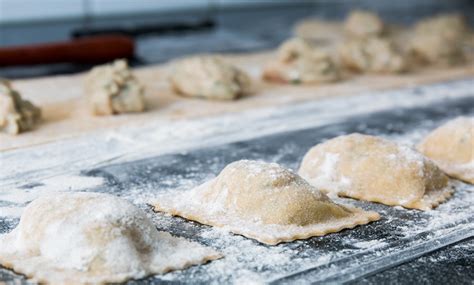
[(90, 238), (265, 202), (374, 169), (451, 147)]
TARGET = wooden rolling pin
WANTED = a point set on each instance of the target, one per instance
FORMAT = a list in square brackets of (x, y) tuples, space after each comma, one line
[(89, 50)]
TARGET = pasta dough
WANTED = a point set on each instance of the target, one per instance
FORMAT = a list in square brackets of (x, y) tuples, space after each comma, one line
[(374, 169), (377, 55), (90, 238), (16, 114), (450, 26), (265, 202), (299, 62), (451, 147), (209, 77), (363, 24), (113, 89), (439, 40)]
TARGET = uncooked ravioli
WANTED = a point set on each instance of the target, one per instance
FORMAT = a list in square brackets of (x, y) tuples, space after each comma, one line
[(451, 147), (90, 238), (374, 169), (263, 201)]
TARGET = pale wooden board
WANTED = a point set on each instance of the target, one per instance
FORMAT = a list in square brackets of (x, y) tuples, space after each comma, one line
[(65, 113)]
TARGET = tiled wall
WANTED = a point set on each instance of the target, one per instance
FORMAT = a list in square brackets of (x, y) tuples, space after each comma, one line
[(20, 11)]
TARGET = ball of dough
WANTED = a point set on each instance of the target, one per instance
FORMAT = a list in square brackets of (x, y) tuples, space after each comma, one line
[(16, 114), (321, 31), (363, 24), (113, 89), (208, 77), (299, 62), (449, 26), (263, 201), (377, 55), (451, 147), (92, 238), (374, 169), (433, 48), (439, 39)]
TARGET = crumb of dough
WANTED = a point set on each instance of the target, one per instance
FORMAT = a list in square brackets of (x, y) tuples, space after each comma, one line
[(265, 202), (93, 238), (113, 89), (298, 61), (451, 147), (377, 55), (374, 169), (363, 24), (16, 114), (208, 77)]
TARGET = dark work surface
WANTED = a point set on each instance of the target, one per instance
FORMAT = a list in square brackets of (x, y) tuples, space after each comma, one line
[(265, 29), (450, 265)]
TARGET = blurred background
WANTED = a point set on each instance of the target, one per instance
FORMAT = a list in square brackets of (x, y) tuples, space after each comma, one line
[(164, 29)]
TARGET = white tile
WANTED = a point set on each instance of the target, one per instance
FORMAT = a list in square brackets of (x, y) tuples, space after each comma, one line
[(114, 7), (34, 10), (243, 3)]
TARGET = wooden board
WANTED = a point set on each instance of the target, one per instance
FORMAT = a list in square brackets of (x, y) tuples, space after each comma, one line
[(65, 113)]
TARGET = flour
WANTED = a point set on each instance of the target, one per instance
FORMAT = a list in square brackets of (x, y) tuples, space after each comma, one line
[(359, 249), (69, 237), (26, 194), (72, 155)]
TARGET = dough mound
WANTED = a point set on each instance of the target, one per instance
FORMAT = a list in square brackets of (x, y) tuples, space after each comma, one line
[(450, 26), (439, 40), (16, 114), (90, 238), (299, 62), (363, 24), (378, 55), (374, 169), (451, 147), (265, 202), (435, 49), (208, 77), (113, 89)]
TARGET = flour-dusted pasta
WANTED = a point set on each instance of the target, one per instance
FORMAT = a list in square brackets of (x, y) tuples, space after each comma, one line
[(374, 169), (263, 201), (91, 238), (451, 147), (208, 77), (113, 89)]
